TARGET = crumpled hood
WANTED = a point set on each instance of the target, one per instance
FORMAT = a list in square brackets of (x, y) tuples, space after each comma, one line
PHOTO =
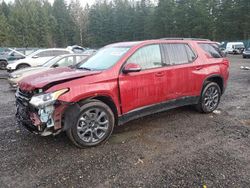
[(52, 76)]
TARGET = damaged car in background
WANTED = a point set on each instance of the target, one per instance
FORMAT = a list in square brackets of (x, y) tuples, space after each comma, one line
[(119, 83)]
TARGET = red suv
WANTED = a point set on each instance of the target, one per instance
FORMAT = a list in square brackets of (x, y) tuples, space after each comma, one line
[(121, 82)]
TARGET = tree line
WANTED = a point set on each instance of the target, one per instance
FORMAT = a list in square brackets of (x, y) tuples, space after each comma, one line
[(37, 23)]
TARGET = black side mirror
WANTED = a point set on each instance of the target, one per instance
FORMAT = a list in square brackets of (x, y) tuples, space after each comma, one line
[(55, 65)]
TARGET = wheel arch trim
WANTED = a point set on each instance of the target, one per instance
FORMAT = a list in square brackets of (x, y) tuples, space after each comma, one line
[(214, 76), (74, 108)]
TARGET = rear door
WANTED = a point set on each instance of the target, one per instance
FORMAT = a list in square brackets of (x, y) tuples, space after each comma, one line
[(139, 89), (180, 66)]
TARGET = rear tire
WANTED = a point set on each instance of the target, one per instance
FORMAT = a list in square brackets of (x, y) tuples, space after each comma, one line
[(210, 98), (3, 65), (94, 124), (22, 66)]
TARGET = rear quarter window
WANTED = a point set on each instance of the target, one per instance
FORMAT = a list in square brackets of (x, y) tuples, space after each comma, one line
[(211, 49)]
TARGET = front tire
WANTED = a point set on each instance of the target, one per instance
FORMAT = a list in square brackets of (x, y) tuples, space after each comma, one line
[(210, 98), (94, 124)]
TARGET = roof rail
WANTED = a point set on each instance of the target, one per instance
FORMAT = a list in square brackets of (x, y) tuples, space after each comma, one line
[(173, 38)]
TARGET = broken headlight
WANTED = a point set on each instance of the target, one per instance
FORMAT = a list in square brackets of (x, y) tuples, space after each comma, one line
[(46, 99)]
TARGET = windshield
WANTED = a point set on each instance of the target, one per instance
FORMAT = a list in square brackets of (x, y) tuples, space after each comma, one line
[(52, 61), (103, 59)]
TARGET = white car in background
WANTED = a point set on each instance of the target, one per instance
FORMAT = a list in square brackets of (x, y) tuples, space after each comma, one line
[(67, 60), (37, 58), (235, 47)]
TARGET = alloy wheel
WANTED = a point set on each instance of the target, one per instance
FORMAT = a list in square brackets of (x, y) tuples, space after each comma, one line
[(211, 98), (92, 125)]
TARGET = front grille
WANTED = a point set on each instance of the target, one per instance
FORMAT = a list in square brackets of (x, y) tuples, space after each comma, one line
[(25, 94), (24, 110), (23, 97)]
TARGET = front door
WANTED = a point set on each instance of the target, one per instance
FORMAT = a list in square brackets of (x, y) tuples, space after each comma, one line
[(144, 88)]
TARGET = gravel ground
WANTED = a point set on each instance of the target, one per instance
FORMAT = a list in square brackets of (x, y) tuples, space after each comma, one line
[(177, 148)]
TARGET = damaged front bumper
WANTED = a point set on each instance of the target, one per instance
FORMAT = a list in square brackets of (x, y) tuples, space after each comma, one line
[(44, 120)]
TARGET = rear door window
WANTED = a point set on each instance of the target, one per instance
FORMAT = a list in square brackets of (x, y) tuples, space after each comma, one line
[(176, 54), (212, 49), (190, 53)]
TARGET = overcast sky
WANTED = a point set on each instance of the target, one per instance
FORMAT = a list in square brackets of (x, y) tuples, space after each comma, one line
[(83, 2)]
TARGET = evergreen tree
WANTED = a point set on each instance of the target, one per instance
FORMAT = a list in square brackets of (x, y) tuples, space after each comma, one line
[(64, 34), (4, 31), (37, 23)]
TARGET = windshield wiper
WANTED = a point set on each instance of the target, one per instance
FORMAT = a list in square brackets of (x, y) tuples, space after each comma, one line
[(84, 68)]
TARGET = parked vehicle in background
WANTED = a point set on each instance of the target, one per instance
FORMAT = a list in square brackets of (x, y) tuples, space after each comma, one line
[(8, 55), (235, 47), (58, 61), (121, 82), (37, 58), (76, 49), (246, 53), (89, 51)]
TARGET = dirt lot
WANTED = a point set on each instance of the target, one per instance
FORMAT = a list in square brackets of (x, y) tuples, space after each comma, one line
[(178, 148)]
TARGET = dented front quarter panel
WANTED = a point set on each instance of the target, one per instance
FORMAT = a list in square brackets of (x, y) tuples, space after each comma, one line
[(104, 84)]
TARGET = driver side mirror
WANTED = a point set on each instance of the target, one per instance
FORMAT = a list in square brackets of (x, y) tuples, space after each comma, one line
[(131, 67), (35, 56)]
